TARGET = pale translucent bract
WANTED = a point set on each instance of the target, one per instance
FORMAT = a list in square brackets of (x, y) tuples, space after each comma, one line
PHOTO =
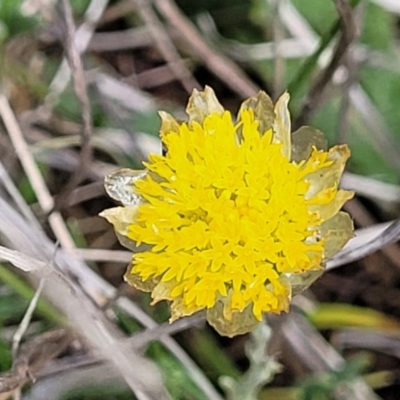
[(120, 185)]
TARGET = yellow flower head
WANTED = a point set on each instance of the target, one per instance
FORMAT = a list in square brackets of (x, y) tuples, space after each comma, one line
[(237, 216)]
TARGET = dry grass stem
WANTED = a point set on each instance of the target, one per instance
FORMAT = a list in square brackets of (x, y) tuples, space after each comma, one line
[(366, 242), (318, 355), (81, 40), (80, 88), (165, 45), (222, 67), (348, 33)]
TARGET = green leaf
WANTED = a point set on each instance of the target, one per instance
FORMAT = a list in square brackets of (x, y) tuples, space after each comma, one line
[(176, 378), (43, 308), (12, 20), (379, 28)]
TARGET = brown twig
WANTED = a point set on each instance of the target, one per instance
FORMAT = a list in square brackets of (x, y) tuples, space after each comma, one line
[(32, 171), (121, 40), (220, 66), (80, 89), (116, 11), (352, 68), (82, 39), (279, 61), (347, 36), (165, 45)]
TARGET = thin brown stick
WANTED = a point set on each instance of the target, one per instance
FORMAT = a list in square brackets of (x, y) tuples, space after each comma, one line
[(138, 341), (82, 39), (32, 171), (347, 36), (116, 11), (165, 45), (352, 68), (279, 61), (121, 40), (220, 66), (81, 92)]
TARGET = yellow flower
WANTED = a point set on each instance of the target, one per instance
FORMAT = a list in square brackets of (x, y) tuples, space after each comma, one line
[(237, 216)]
